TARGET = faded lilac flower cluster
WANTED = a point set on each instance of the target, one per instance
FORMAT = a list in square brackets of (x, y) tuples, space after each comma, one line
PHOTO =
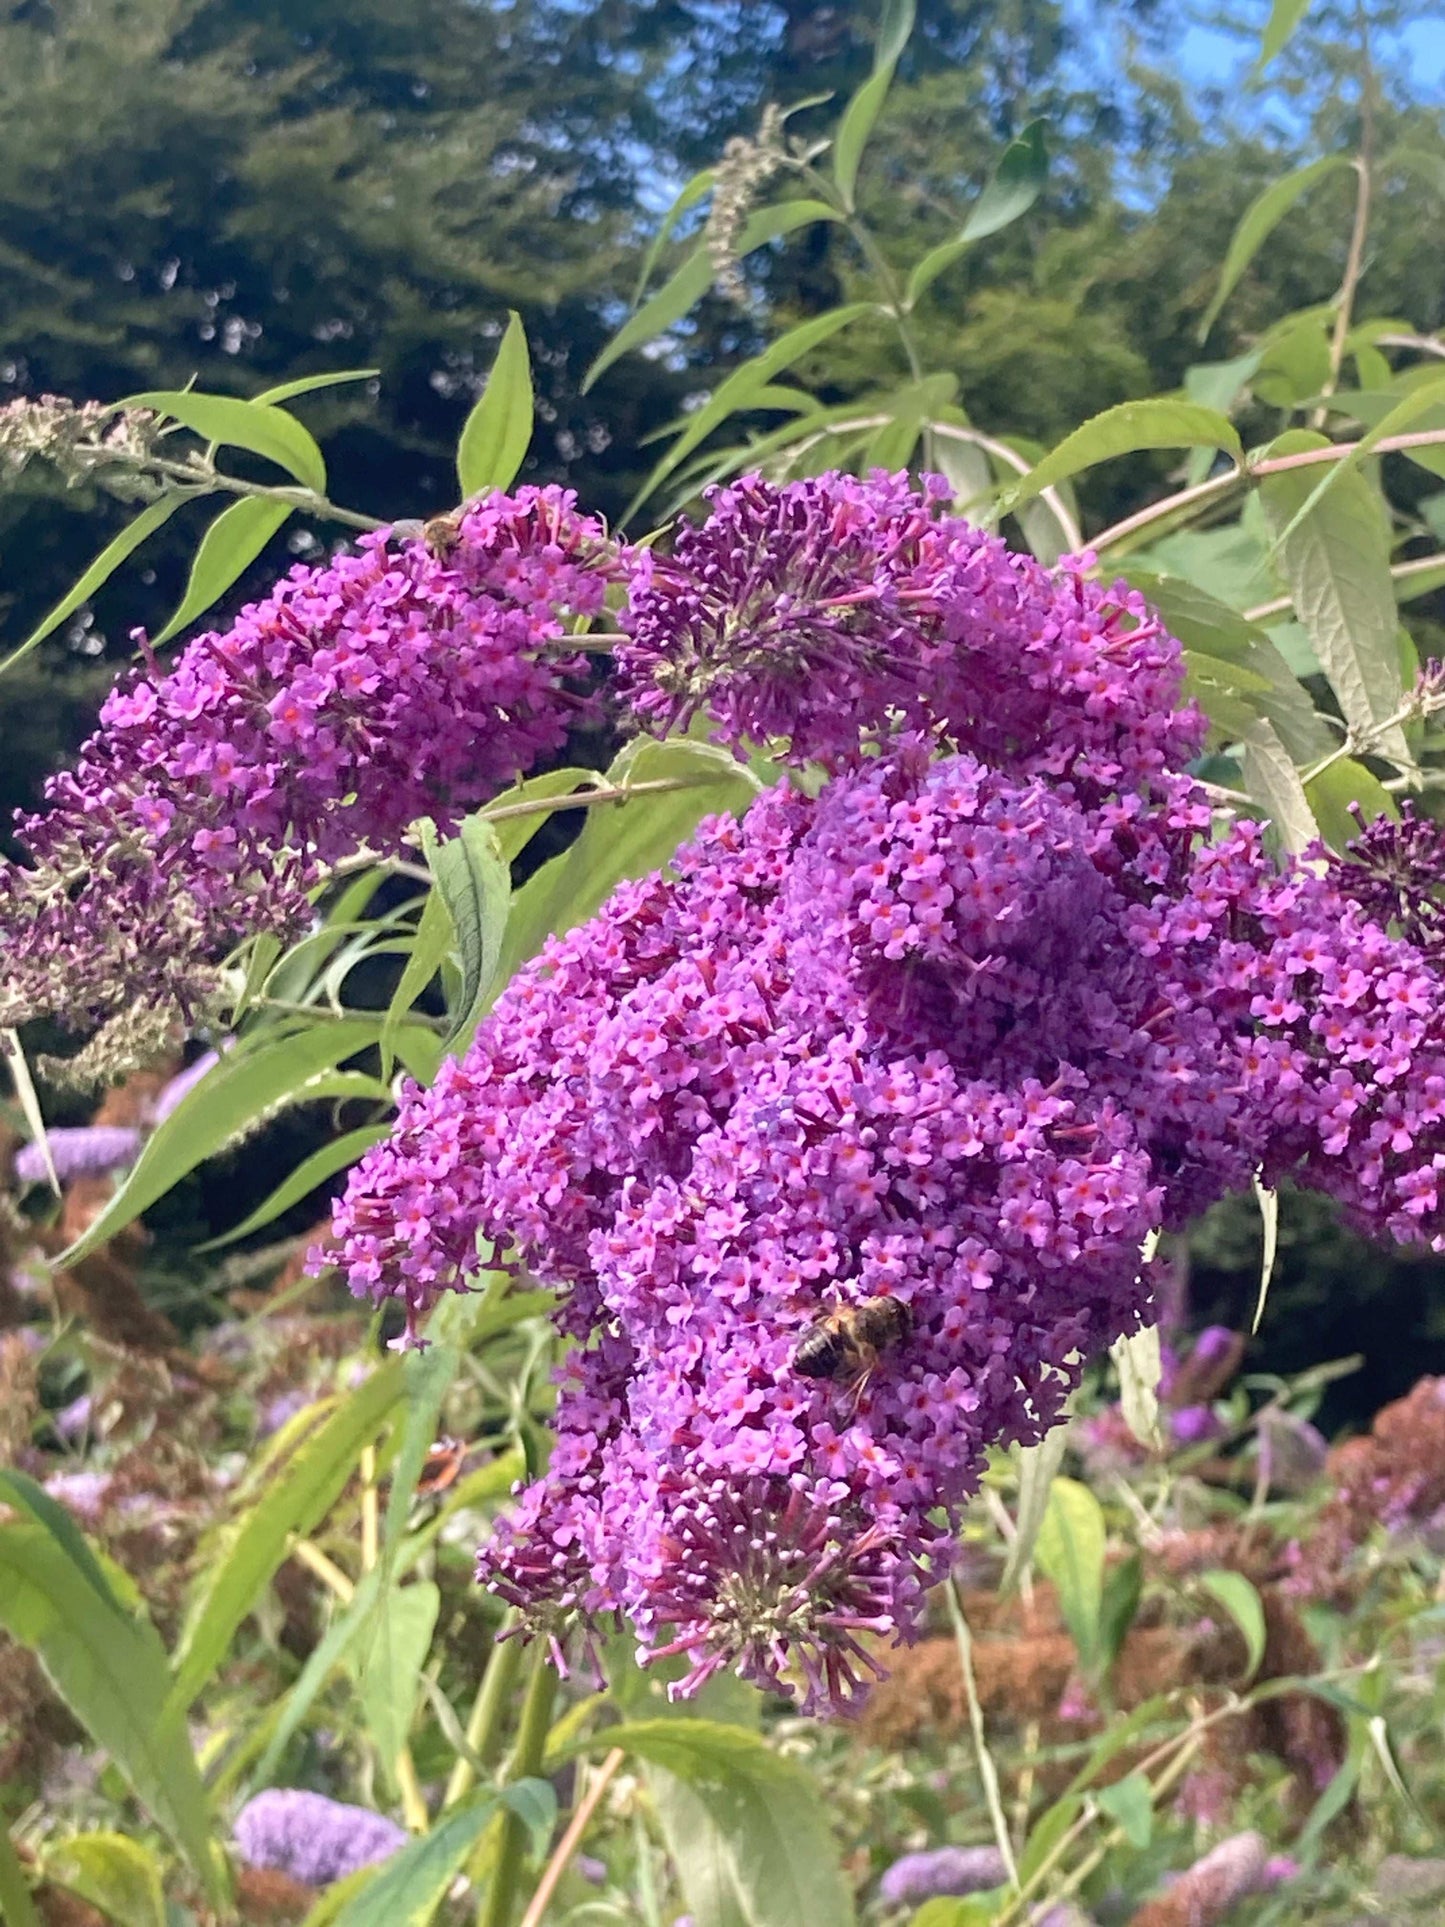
[(312, 1838), (392, 683), (958, 1033)]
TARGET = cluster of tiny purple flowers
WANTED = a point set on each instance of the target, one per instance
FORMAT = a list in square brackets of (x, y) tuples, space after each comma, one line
[(959, 1032), (955, 1024), (394, 682)]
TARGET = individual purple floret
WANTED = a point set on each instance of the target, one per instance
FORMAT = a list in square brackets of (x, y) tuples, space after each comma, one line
[(830, 611), (391, 683), (81, 1151), (312, 1838), (942, 1870)]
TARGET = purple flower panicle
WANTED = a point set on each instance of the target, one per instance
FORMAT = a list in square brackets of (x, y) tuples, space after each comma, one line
[(391, 683), (942, 1871), (312, 1838), (79, 1151), (832, 610)]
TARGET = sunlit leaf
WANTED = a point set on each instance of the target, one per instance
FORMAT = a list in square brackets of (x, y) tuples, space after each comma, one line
[(17, 1908), (1258, 222), (1070, 1552), (1131, 1802), (1274, 783), (746, 1828), (1336, 560), (308, 384), (1241, 1601), (392, 1657), (247, 1082), (862, 111), (120, 1876), (110, 1670), (1138, 1361), (255, 426), (498, 432), (1125, 430), (1014, 185), (1284, 17), (1268, 1200), (407, 1890), (690, 282), (1332, 793), (700, 185), (227, 549), (1037, 1466)]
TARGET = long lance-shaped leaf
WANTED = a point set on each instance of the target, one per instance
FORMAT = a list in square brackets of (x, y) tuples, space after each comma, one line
[(691, 281), (294, 1501), (110, 1670), (1010, 191), (862, 111), (102, 569), (1284, 17), (1258, 222), (228, 548), (1125, 430), (1274, 783), (240, 1088), (258, 427), (497, 434)]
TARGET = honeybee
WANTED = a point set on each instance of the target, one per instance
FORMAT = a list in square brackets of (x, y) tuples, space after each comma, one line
[(443, 534), (846, 1343)]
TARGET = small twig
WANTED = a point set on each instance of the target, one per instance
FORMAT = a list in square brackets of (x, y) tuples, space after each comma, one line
[(571, 1839), (987, 1772), (589, 799), (315, 1560)]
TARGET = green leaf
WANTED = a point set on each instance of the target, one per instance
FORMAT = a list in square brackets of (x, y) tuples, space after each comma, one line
[(1037, 1465), (409, 1887), (391, 1663), (248, 1080), (24, 1495), (434, 942), (323, 1659), (252, 425), (228, 548), (687, 286), (1332, 792), (862, 111), (1014, 185), (738, 390), (1336, 561), (1125, 430), (1130, 1801), (628, 839), (1139, 1363), (746, 1828), (120, 1876), (1242, 1602), (323, 1163), (1258, 222), (1010, 191), (1274, 784), (17, 1909), (1123, 1589), (295, 1498), (1230, 657), (700, 185), (1284, 17), (110, 1670), (308, 384), (1070, 1552), (498, 432), (476, 887), (101, 570)]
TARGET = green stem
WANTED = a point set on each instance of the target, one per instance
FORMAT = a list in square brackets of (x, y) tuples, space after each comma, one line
[(484, 1727), (526, 1762), (205, 479)]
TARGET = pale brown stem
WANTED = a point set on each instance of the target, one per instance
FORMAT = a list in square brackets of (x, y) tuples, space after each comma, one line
[(571, 1839)]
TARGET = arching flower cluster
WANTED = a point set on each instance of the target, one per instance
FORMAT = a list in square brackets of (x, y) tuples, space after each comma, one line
[(832, 610), (955, 1035), (391, 683)]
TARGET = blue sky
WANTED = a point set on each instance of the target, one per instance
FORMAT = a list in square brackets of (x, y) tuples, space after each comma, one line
[(1205, 55)]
